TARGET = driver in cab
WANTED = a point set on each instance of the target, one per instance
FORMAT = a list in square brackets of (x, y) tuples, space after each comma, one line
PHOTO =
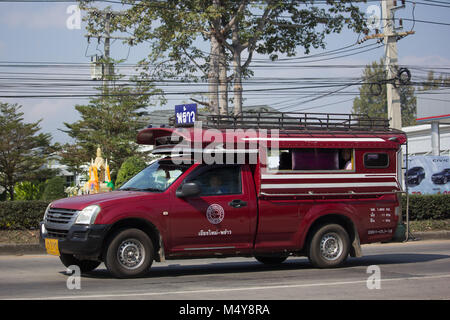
[(216, 186)]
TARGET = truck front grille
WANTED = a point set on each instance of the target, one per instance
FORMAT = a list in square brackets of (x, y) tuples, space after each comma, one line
[(61, 216)]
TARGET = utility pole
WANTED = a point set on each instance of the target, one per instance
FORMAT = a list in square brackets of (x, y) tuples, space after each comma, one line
[(108, 71), (391, 62), (394, 110), (108, 67), (390, 36)]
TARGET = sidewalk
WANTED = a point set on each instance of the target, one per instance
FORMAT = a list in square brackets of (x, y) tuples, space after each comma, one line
[(22, 249)]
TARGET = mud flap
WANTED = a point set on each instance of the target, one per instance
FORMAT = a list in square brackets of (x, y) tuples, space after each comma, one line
[(355, 250), (160, 257)]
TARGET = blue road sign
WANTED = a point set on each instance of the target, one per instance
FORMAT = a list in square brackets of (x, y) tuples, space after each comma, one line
[(185, 113)]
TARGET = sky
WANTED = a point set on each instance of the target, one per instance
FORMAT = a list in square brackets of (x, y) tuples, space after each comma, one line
[(37, 32)]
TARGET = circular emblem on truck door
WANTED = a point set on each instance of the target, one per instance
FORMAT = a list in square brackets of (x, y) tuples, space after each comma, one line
[(215, 214)]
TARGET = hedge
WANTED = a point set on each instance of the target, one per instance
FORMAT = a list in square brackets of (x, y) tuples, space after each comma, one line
[(16, 215), (423, 207)]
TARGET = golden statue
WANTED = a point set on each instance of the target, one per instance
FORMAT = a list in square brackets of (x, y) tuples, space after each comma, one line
[(99, 176)]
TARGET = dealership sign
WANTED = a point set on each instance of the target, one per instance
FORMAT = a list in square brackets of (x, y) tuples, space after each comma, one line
[(428, 175)]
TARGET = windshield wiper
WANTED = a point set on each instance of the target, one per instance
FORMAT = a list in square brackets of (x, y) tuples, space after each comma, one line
[(152, 189), (130, 189), (139, 189)]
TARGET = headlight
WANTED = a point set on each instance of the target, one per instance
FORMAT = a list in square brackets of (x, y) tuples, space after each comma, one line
[(46, 211), (88, 215)]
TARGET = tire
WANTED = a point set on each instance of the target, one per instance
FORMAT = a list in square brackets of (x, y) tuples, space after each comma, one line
[(329, 246), (271, 260), (84, 265), (129, 254)]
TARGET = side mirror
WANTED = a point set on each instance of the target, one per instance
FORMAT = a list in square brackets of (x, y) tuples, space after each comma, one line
[(190, 189)]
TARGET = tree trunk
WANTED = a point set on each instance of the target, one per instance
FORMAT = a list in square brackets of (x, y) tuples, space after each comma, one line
[(213, 75), (237, 68), (10, 190), (223, 82), (218, 57)]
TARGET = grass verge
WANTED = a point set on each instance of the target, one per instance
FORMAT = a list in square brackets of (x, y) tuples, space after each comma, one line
[(429, 225), (19, 236)]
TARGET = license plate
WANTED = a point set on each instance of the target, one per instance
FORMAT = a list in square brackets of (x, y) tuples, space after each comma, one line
[(52, 246)]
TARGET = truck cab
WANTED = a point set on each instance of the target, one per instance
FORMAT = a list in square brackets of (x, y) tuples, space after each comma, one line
[(268, 191)]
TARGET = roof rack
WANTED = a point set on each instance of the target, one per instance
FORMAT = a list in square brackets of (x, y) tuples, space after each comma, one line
[(295, 121)]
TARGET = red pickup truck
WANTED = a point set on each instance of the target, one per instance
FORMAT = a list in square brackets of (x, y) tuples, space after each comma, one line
[(310, 191)]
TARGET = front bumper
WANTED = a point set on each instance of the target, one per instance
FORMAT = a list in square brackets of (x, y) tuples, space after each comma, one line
[(83, 241)]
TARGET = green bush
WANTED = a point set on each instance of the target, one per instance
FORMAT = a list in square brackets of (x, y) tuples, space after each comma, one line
[(129, 169), (16, 215), (28, 190), (422, 207)]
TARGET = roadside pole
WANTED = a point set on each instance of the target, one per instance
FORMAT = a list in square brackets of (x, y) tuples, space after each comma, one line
[(391, 64), (390, 36), (393, 97)]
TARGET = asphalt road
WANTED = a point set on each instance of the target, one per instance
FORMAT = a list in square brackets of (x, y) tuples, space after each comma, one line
[(413, 270)]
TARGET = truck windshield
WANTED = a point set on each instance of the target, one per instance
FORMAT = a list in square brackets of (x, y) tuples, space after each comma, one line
[(155, 178)]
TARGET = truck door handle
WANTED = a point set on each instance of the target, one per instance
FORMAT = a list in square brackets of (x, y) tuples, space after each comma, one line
[(237, 203)]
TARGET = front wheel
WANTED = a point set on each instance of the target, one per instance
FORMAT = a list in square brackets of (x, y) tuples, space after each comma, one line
[(129, 254), (329, 246)]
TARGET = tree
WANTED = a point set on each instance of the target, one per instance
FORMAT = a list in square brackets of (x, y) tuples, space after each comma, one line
[(74, 157), (110, 121), (282, 27), (374, 104), (23, 151), (175, 31)]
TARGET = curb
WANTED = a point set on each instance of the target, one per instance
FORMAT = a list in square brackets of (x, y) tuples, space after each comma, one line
[(22, 249), (429, 235)]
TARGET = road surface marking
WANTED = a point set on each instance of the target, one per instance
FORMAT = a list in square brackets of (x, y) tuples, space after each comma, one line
[(141, 294)]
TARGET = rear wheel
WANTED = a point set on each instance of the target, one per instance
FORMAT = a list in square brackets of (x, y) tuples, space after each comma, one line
[(84, 265), (271, 260), (329, 246), (129, 254)]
